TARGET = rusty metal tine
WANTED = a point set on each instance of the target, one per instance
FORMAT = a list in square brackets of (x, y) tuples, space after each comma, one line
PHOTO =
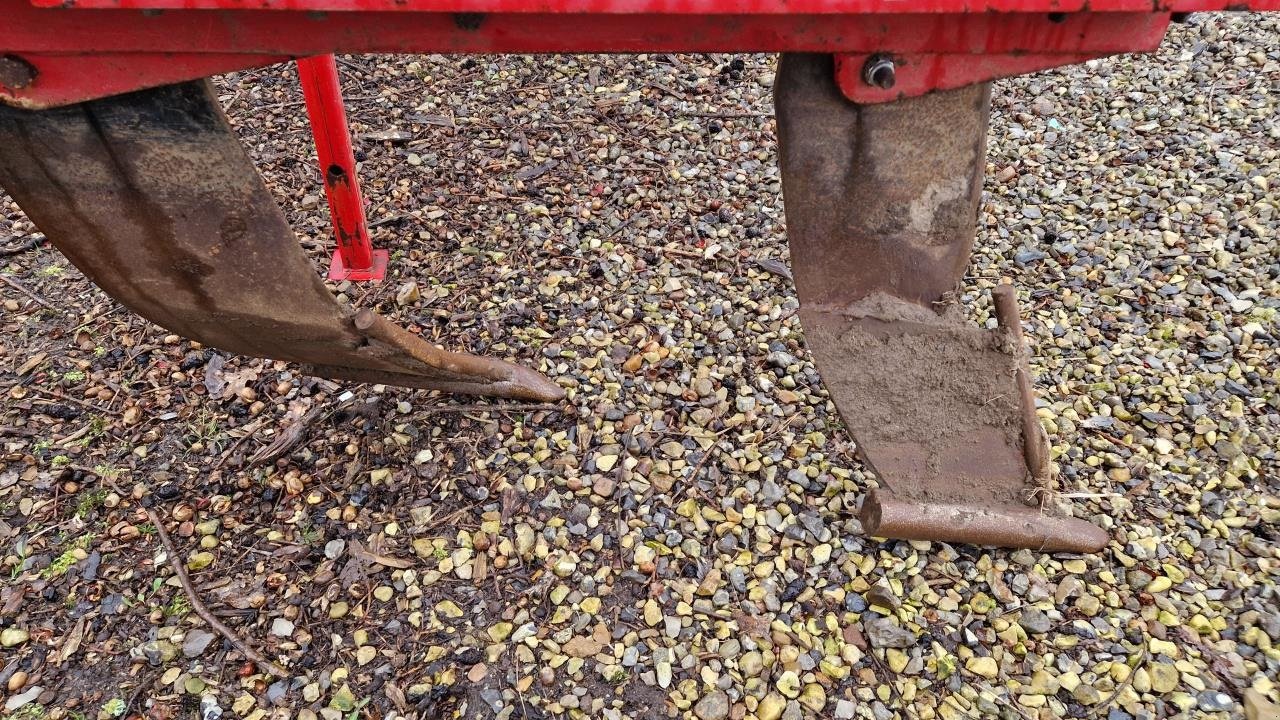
[(1005, 298), (1034, 442), (881, 206), (152, 196)]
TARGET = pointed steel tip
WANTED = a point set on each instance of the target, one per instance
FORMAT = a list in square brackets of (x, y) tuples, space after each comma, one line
[(1092, 538), (530, 384)]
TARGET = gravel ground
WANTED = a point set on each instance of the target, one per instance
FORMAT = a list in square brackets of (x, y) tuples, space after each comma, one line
[(677, 538)]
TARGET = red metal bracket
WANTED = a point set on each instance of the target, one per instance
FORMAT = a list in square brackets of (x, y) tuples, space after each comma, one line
[(1030, 43), (881, 77), (355, 258)]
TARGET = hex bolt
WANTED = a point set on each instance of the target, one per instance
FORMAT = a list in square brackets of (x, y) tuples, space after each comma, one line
[(16, 73), (879, 71)]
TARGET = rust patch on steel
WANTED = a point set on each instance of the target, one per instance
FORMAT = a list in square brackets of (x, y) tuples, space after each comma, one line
[(881, 204), (468, 21), (16, 73), (151, 195)]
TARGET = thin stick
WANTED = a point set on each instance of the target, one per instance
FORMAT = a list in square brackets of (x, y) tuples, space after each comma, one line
[(389, 220), (693, 225), (14, 431), (487, 407), (147, 682), (1081, 495), (16, 286), (198, 605), (66, 398), (728, 115), (1146, 654), (31, 243), (249, 431)]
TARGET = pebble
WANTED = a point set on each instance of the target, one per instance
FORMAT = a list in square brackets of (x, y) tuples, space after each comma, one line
[(1086, 694), (983, 666), (814, 697), (885, 633), (1035, 621), (209, 708), (1164, 677), (881, 594), (771, 707), (521, 633), (200, 560), (196, 642), (712, 706), (21, 699), (789, 684), (1214, 701), (13, 637), (663, 670), (334, 549)]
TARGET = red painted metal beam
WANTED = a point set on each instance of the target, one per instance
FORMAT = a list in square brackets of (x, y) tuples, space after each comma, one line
[(64, 79), (298, 34), (681, 7), (68, 48), (54, 52), (355, 258)]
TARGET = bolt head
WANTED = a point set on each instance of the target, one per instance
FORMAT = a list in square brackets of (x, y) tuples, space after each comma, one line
[(880, 72)]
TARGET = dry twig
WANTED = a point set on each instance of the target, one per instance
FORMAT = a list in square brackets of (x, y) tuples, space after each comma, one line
[(175, 561), (30, 243), (1142, 660), (288, 438), (22, 289), (146, 682), (74, 401)]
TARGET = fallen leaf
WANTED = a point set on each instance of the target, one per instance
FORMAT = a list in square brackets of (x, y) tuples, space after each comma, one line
[(71, 645), (774, 267), (357, 549), (213, 381), (530, 173), (582, 646)]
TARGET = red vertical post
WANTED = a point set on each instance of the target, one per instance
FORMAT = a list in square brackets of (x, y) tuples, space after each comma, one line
[(355, 258)]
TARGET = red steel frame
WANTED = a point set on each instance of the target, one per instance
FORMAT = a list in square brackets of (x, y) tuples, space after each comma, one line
[(55, 52), (354, 259)]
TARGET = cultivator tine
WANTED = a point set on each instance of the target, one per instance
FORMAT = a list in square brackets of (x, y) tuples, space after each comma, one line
[(881, 204), (151, 195)]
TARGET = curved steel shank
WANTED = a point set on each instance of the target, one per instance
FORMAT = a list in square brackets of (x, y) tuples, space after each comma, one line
[(152, 196), (881, 204)]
